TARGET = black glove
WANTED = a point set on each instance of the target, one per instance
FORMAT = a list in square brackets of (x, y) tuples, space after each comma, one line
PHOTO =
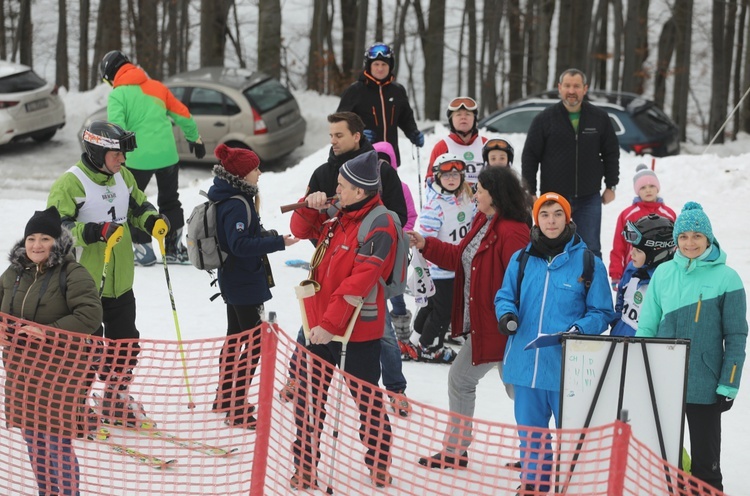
[(94, 232), (197, 147), (724, 403), (508, 324), (417, 138), (149, 224)]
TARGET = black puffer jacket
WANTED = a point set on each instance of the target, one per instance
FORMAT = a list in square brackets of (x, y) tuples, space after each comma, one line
[(383, 106), (326, 177), (572, 164)]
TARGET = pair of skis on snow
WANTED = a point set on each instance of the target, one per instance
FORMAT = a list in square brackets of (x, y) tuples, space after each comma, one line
[(149, 429)]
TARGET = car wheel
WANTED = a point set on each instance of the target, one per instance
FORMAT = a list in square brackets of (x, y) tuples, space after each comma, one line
[(41, 137)]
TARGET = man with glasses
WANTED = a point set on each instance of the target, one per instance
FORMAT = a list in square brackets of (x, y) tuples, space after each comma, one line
[(351, 269), (463, 141), (575, 146), (381, 102)]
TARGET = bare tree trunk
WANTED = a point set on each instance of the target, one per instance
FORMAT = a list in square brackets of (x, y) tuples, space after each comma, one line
[(719, 95), (471, 83), (214, 15), (25, 35), (538, 26), (683, 13), (618, 35), (515, 33), (667, 42), (3, 46), (236, 38), (83, 46), (599, 50), (493, 14), (745, 107), (146, 38), (564, 39), (108, 34), (349, 17), (379, 20), (316, 55), (62, 77), (433, 40), (172, 36), (636, 46), (184, 35), (738, 68), (269, 37)]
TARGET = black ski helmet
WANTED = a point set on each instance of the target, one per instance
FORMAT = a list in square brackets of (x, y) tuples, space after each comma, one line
[(111, 63), (379, 51), (101, 136), (465, 102), (652, 235), (497, 144)]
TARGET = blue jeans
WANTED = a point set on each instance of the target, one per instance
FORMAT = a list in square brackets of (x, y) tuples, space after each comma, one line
[(54, 463), (587, 214), (390, 358), (398, 304)]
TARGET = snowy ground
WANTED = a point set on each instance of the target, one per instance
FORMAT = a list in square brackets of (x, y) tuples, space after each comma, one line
[(716, 179)]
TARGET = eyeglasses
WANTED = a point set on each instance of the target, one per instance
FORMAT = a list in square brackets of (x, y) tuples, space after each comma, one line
[(450, 166), (450, 175), (497, 144), (379, 50), (631, 234), (462, 101)]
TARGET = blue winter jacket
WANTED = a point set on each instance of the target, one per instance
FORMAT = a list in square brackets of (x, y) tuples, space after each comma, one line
[(552, 300), (702, 300), (242, 279), (623, 327)]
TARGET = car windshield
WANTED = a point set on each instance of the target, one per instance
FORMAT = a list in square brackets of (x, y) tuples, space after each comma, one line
[(24, 81), (267, 95), (652, 120)]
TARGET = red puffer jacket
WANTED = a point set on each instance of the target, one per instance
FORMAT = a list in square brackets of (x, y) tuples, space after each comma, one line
[(503, 238), (348, 269)]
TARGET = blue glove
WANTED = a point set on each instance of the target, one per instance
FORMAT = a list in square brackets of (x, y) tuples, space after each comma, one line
[(370, 135), (417, 138)]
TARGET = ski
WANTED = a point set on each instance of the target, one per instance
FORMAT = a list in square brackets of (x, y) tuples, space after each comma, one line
[(102, 437), (148, 428)]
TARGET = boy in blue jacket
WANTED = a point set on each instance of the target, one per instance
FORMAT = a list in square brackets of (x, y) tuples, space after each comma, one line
[(651, 243), (552, 298)]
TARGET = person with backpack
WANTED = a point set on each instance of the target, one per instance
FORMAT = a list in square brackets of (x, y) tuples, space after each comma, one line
[(447, 215), (346, 268), (48, 372), (549, 288), (243, 278), (479, 262)]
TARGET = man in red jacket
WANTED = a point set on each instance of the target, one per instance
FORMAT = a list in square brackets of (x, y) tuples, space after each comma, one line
[(346, 269)]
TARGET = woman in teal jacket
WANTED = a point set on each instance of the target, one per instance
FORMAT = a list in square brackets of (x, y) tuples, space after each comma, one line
[(696, 296)]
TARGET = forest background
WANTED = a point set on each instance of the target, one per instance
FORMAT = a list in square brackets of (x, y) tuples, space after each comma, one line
[(689, 56)]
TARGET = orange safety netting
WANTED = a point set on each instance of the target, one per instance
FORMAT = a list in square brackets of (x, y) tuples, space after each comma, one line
[(50, 385)]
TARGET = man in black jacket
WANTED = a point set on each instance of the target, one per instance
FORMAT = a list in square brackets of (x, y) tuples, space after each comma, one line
[(576, 146), (381, 102)]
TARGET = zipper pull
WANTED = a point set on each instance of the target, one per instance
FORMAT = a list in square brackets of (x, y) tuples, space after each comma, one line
[(698, 309)]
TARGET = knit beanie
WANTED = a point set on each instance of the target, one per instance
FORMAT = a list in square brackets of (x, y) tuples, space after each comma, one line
[(643, 177), (237, 161), (557, 198), (47, 222), (363, 171), (693, 218)]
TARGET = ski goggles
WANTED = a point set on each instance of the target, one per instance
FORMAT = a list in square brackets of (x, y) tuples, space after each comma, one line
[(379, 50), (124, 144), (631, 234), (453, 165), (462, 102), (497, 144)]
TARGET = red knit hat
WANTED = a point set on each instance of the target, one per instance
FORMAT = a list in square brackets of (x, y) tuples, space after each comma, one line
[(237, 161), (560, 199)]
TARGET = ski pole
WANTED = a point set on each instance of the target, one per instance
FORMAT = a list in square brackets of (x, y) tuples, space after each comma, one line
[(111, 242), (419, 178), (160, 232), (356, 302)]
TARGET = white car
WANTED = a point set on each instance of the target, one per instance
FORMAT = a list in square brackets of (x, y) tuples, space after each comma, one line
[(29, 105)]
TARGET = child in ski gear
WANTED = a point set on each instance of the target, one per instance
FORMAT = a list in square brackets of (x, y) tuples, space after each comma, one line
[(400, 315), (146, 107), (552, 299), (446, 216), (381, 102), (463, 140), (651, 242), (95, 197), (479, 262), (697, 296), (497, 152), (647, 201), (243, 279), (48, 401), (343, 270)]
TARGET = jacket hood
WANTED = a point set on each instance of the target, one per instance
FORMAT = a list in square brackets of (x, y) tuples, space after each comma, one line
[(227, 185), (129, 74), (387, 148), (61, 251)]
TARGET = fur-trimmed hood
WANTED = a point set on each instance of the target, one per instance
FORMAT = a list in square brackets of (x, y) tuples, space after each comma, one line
[(235, 182), (61, 251)]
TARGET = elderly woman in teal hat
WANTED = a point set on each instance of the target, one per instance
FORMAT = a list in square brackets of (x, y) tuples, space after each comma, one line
[(697, 296)]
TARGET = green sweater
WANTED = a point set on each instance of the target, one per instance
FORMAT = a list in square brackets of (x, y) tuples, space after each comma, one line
[(702, 300)]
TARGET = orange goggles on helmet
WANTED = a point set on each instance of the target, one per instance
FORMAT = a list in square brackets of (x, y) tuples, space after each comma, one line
[(497, 144), (451, 165), (462, 102)]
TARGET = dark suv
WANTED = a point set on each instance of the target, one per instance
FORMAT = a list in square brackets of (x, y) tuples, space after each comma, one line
[(640, 125)]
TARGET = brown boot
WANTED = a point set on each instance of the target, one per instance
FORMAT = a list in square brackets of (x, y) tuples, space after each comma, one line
[(380, 476), (302, 479)]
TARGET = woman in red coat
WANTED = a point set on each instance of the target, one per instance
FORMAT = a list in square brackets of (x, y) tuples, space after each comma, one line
[(499, 229)]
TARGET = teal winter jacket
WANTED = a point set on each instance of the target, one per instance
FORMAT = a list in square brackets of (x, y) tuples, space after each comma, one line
[(702, 300)]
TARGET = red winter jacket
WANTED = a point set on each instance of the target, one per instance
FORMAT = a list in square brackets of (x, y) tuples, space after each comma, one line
[(503, 238), (347, 269), (620, 254)]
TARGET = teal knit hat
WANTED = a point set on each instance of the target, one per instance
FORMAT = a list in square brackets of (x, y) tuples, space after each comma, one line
[(693, 218)]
